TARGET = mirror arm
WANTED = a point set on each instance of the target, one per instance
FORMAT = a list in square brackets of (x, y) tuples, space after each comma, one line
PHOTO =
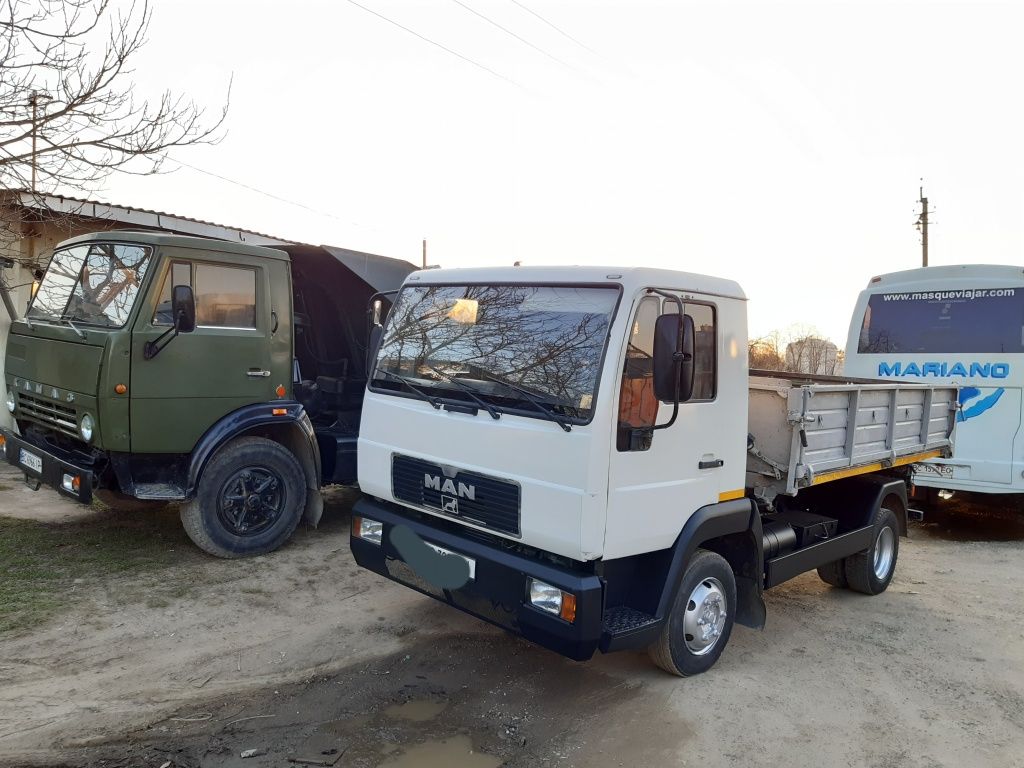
[(152, 348)]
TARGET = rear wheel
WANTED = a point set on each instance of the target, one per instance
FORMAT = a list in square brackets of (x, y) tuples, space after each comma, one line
[(871, 571), (698, 627), (249, 500)]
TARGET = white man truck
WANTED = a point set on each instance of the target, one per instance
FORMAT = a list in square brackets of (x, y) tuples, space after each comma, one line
[(580, 455)]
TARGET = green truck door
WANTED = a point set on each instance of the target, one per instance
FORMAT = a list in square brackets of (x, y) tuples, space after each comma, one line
[(200, 377)]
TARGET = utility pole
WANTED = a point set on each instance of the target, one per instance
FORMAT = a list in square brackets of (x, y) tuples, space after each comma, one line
[(922, 225), (34, 102), (424, 253)]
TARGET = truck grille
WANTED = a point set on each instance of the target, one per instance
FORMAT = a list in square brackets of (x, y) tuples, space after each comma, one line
[(48, 412), (475, 498)]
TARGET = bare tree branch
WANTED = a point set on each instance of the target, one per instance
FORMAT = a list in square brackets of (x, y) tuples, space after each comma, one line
[(70, 60)]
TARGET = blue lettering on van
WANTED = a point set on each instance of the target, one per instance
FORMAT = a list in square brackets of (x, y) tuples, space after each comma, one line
[(942, 370), (972, 404)]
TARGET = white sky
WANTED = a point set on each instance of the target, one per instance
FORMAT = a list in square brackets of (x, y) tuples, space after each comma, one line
[(776, 144)]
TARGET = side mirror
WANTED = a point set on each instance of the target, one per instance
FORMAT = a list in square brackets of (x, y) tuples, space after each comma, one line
[(674, 343), (183, 308)]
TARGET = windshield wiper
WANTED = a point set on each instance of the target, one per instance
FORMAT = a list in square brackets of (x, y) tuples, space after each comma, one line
[(74, 327), (412, 388), (549, 414), (495, 413)]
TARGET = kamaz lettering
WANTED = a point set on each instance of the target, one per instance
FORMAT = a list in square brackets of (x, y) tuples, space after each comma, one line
[(464, 491), (942, 370)]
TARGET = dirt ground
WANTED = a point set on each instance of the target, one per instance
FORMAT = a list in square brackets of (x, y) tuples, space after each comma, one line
[(299, 655)]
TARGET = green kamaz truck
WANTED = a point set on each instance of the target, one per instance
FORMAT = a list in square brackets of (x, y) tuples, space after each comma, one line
[(225, 377)]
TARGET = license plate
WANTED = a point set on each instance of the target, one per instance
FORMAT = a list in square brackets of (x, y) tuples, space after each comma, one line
[(941, 470), (443, 551), (30, 460)]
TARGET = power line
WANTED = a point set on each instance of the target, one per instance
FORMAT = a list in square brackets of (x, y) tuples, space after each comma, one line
[(436, 44), (559, 30), (508, 31)]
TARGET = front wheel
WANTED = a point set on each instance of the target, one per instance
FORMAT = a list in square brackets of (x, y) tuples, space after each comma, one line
[(698, 627), (249, 500)]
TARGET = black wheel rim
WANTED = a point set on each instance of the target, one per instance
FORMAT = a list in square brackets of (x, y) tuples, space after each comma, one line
[(251, 501)]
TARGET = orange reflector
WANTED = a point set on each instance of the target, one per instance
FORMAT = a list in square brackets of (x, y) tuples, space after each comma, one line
[(357, 524), (3, 441), (76, 483), (568, 611), (280, 411), (281, 391), (120, 388)]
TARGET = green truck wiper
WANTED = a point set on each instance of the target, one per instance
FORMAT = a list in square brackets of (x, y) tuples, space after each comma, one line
[(412, 388), (495, 413), (549, 414)]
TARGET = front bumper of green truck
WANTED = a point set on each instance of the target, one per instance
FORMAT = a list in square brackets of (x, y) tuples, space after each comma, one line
[(70, 473)]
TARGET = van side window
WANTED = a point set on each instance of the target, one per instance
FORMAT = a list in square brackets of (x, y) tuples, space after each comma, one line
[(225, 296)]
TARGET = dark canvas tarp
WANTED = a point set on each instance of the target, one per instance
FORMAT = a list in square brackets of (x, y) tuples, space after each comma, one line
[(379, 272)]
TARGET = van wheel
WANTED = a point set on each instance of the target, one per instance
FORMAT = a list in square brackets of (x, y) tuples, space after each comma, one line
[(698, 627), (249, 499), (871, 571)]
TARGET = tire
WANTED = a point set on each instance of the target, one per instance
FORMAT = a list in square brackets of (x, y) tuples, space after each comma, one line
[(225, 520), (871, 571), (834, 574), (708, 582)]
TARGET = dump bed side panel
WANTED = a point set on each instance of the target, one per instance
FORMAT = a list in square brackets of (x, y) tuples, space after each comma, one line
[(804, 433)]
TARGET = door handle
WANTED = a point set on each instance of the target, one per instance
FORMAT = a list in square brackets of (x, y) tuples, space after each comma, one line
[(256, 373), (713, 464)]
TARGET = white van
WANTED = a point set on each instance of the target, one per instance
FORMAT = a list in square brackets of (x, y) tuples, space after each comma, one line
[(962, 325)]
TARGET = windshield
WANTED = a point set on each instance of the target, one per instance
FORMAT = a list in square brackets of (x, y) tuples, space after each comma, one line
[(965, 320), (510, 343), (93, 283)]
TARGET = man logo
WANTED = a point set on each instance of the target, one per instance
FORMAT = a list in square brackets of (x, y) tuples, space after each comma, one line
[(450, 505), (463, 491)]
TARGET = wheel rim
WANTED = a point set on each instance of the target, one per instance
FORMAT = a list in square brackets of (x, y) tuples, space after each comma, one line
[(885, 552), (251, 501), (704, 620)]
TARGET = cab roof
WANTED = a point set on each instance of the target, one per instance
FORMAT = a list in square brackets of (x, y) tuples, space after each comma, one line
[(630, 278), (147, 237)]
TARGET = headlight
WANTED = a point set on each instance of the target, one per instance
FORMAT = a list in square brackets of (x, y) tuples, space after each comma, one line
[(85, 427), (368, 530), (552, 600), (11, 403)]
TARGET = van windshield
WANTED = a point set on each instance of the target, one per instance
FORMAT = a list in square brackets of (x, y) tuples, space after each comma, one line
[(93, 283), (962, 320), (508, 344)]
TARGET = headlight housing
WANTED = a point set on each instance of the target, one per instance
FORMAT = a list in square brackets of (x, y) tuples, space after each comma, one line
[(368, 530), (11, 402), (552, 600), (85, 428)]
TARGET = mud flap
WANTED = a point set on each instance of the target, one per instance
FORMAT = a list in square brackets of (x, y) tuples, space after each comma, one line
[(314, 507)]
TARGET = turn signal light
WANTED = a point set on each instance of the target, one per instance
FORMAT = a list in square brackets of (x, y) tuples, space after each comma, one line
[(3, 441), (71, 483), (120, 388), (280, 412), (568, 612), (281, 391)]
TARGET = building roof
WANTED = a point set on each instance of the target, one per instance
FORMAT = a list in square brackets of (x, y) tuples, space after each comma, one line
[(141, 218)]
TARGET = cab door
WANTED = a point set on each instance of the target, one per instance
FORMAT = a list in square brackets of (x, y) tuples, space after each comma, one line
[(656, 481), (223, 365)]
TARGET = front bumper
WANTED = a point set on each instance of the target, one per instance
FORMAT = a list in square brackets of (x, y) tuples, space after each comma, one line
[(53, 466), (498, 592)]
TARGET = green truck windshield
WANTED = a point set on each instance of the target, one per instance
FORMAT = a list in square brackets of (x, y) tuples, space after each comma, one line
[(92, 283), (497, 341)]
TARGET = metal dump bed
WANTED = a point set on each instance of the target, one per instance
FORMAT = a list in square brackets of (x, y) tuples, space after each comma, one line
[(807, 430)]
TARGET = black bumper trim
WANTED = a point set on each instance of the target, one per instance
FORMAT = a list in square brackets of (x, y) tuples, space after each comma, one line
[(498, 592), (54, 467)]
